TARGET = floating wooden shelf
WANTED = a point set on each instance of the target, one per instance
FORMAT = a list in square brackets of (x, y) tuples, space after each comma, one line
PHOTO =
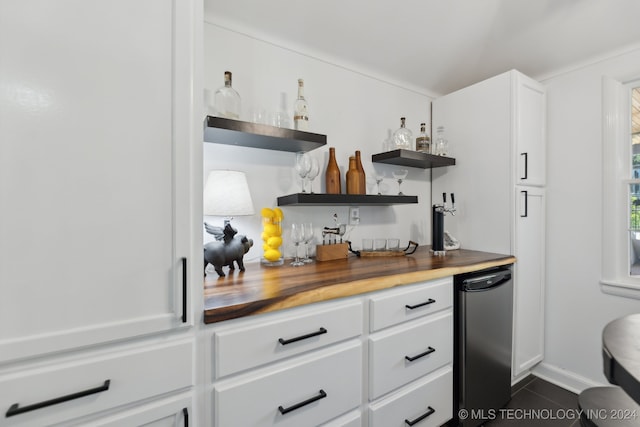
[(321, 199), (414, 159), (237, 132)]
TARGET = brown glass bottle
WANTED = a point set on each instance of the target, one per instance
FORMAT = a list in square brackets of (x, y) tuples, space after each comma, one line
[(332, 175), (353, 184), (362, 178)]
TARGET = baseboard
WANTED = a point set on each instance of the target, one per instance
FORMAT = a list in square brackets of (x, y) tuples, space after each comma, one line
[(563, 378)]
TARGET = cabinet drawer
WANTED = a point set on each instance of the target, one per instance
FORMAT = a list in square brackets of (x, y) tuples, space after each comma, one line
[(329, 380), (115, 379), (410, 302), (430, 397), (256, 342), (352, 419), (429, 342)]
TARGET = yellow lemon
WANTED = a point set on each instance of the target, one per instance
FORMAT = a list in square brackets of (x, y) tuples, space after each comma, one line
[(267, 213), (272, 230), (265, 236), (265, 247), (272, 255), (274, 241), (278, 213)]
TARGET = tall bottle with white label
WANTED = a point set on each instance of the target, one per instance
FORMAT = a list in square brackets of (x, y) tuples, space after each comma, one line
[(301, 109), (227, 100)]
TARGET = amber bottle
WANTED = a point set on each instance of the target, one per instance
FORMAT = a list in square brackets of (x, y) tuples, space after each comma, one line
[(353, 182), (332, 175), (362, 178)]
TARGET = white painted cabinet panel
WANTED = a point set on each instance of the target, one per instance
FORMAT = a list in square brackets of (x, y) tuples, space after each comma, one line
[(284, 335), (427, 402), (94, 181), (403, 354), (304, 392), (172, 412), (529, 271), (410, 302), (530, 131), (114, 379)]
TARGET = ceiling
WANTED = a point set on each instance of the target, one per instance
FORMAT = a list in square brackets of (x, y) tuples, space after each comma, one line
[(438, 46)]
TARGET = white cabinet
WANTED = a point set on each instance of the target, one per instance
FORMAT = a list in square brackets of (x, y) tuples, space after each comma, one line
[(94, 172), (496, 131), (356, 361), (528, 328)]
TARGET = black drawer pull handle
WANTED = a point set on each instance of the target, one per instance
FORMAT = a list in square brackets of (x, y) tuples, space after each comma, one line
[(421, 417), (422, 304), (16, 410), (184, 290), (411, 359), (526, 165), (302, 337), (321, 395), (185, 416)]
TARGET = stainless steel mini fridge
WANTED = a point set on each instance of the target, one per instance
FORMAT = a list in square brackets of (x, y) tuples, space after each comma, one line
[(482, 349)]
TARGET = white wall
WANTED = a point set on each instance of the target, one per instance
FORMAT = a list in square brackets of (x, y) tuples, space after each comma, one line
[(355, 111), (576, 309)]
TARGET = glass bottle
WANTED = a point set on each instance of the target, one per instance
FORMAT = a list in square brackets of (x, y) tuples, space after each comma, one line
[(402, 137), (301, 109), (227, 100), (423, 142), (441, 145), (332, 175), (353, 183), (362, 177)]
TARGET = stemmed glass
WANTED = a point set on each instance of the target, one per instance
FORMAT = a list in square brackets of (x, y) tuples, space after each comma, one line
[(307, 228), (399, 175), (303, 165), (379, 177), (314, 170), (297, 236)]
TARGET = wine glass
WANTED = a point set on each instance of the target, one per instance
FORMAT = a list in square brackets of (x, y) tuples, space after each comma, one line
[(297, 236), (379, 177), (307, 228), (399, 175), (314, 170), (302, 166)]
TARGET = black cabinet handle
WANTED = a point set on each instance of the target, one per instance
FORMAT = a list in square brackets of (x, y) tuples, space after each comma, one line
[(418, 356), (321, 395), (422, 304), (302, 337), (526, 165), (15, 409), (526, 204), (184, 290), (421, 417), (185, 416)]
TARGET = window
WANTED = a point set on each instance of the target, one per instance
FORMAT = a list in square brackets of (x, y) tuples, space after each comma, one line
[(621, 188)]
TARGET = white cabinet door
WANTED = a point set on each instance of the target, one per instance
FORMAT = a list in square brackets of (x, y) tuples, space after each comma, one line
[(528, 314), (173, 412), (94, 146), (530, 107)]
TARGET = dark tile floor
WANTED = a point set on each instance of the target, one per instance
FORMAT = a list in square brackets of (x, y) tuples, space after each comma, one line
[(536, 402)]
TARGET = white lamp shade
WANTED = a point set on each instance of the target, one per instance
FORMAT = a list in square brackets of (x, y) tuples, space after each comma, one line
[(226, 193)]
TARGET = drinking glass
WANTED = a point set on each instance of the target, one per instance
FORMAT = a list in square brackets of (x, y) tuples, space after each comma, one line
[(399, 175), (379, 177), (297, 236), (314, 170), (307, 228), (302, 166)]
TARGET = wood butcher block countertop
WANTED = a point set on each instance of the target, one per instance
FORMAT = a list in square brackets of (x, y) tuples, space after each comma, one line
[(263, 289)]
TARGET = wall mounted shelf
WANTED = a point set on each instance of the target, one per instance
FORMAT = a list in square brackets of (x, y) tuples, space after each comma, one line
[(321, 199), (246, 134), (414, 159)]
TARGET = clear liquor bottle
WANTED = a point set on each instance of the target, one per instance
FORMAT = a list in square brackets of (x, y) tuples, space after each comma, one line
[(301, 109), (402, 137), (227, 100), (423, 142), (441, 145)]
